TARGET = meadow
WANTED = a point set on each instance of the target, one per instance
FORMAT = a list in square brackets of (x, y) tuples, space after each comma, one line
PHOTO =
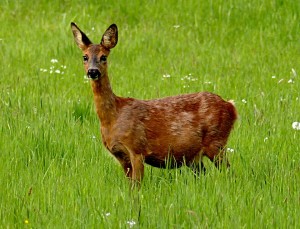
[(54, 170)]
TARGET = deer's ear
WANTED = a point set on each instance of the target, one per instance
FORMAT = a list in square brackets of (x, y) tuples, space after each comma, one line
[(110, 37), (80, 38)]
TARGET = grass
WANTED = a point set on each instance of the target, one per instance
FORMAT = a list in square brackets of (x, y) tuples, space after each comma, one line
[(54, 171)]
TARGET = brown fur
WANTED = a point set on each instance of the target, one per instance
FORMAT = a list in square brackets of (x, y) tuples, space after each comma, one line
[(176, 130)]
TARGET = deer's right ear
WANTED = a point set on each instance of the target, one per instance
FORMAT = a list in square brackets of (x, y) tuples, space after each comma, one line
[(110, 37), (80, 38)]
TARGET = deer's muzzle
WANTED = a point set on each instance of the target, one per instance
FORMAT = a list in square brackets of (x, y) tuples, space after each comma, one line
[(93, 73)]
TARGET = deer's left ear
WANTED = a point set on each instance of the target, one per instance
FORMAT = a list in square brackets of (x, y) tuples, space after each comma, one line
[(80, 38), (110, 37)]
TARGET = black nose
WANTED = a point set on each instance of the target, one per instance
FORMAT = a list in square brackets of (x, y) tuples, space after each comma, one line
[(93, 73)]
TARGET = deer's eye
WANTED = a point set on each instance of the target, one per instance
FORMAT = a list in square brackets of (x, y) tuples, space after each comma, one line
[(85, 58), (103, 58)]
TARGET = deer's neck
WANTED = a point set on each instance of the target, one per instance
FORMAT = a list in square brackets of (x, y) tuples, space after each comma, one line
[(105, 100)]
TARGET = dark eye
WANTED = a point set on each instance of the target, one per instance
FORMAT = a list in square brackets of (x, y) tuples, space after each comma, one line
[(103, 58), (85, 58)]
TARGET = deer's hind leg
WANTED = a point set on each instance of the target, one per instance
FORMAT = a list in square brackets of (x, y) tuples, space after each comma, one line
[(217, 154), (198, 168), (197, 165)]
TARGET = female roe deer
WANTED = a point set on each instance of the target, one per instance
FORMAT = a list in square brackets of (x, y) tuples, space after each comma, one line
[(173, 131)]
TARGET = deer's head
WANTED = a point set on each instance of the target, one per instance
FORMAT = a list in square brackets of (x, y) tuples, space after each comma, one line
[(95, 55)]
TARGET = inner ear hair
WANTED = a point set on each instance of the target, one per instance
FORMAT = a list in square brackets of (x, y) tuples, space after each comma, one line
[(81, 39)]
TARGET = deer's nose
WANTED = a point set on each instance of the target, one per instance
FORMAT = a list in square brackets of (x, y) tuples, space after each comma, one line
[(93, 73)]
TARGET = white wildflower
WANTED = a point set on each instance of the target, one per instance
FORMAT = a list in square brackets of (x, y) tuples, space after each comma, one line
[(176, 26), (131, 223), (244, 100), (189, 77), (57, 71), (166, 76), (53, 61), (280, 81), (266, 139), (294, 72), (296, 125), (273, 77), (107, 214), (291, 81), (230, 150)]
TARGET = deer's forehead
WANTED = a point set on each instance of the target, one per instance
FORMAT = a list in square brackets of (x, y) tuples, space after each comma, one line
[(97, 50)]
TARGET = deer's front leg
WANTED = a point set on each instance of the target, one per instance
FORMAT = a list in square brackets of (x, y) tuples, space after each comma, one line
[(137, 162), (127, 167), (124, 160)]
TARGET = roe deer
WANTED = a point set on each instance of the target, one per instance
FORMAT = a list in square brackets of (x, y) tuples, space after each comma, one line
[(177, 130)]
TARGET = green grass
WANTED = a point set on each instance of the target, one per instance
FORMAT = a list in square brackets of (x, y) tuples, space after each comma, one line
[(54, 171)]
